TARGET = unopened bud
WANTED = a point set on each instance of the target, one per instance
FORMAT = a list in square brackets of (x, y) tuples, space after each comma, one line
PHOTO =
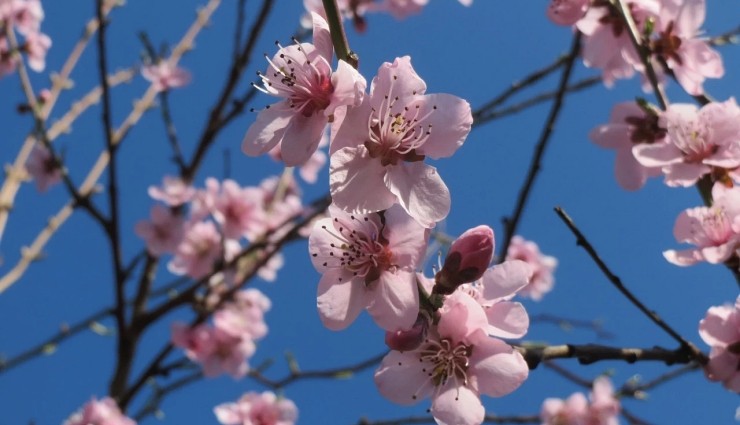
[(407, 339), (467, 260)]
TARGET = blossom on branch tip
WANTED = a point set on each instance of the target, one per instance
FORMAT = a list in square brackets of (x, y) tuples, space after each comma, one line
[(302, 75), (216, 349), (377, 152), (720, 329), (455, 365), (174, 192)]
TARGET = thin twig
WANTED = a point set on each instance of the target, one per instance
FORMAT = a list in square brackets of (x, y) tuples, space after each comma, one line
[(631, 389), (216, 122), (567, 323), (534, 100), (687, 347), (299, 375), (16, 173), (152, 405), (642, 50), (511, 222), (519, 85), (62, 335)]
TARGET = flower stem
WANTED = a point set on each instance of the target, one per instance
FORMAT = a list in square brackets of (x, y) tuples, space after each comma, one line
[(338, 37)]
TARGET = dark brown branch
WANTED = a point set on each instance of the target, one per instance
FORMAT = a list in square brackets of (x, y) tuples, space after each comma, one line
[(729, 37), (511, 223), (686, 347), (592, 353), (215, 119), (169, 124)]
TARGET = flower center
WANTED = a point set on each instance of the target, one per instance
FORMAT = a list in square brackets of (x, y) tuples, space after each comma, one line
[(365, 255), (396, 129), (448, 360), (716, 226), (692, 138), (306, 83)]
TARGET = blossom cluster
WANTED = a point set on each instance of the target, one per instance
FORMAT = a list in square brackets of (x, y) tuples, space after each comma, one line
[(225, 346), (222, 215), (688, 145), (671, 28), (258, 409), (24, 16), (99, 412), (576, 409)]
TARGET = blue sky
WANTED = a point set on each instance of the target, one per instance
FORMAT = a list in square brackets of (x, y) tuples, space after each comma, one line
[(474, 53)]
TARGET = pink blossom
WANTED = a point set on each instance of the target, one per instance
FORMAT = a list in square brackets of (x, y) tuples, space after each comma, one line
[(678, 44), (367, 263), (572, 411), (239, 211), (216, 350), (99, 412), (603, 408), (301, 74), (163, 233), (377, 152), (198, 251), (36, 47), (542, 265), (567, 12), (8, 62), (401, 9), (494, 291), (257, 409), (309, 171), (455, 365), (165, 76), (25, 15), (43, 168), (607, 44), (281, 198), (467, 259), (244, 316), (698, 141), (629, 126), (720, 329), (715, 230), (174, 192)]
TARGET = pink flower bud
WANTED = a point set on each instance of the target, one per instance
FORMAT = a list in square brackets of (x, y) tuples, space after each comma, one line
[(407, 339), (468, 258)]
